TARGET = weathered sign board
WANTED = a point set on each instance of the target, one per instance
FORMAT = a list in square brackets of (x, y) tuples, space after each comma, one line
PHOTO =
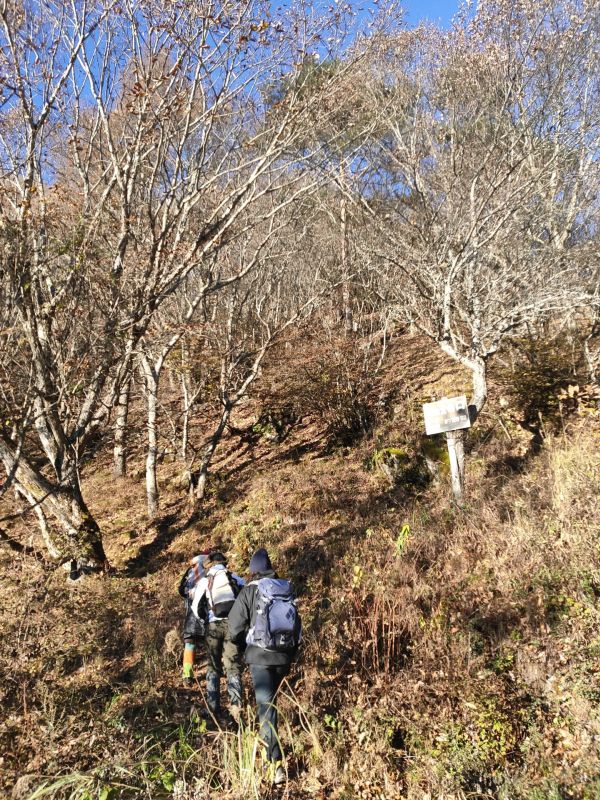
[(449, 414)]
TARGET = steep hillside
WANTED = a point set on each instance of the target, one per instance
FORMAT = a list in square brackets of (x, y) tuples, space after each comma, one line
[(449, 652)]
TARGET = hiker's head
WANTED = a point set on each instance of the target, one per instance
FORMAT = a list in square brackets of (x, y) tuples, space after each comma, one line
[(214, 557), (201, 557), (199, 562), (260, 562)]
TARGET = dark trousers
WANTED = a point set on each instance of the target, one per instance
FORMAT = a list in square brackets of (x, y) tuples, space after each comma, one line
[(266, 681), (224, 657)]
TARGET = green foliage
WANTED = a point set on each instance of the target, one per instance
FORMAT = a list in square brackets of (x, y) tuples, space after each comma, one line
[(503, 662), (163, 776), (454, 751), (388, 455), (431, 635), (399, 466), (357, 576), (436, 449), (475, 749), (592, 792), (495, 733), (402, 539), (332, 723), (81, 786)]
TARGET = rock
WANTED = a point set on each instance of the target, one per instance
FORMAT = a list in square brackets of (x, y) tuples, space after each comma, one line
[(172, 641)]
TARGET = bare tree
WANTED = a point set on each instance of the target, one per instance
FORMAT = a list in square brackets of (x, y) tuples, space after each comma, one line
[(121, 418), (280, 294), (155, 349), (483, 183), (135, 143)]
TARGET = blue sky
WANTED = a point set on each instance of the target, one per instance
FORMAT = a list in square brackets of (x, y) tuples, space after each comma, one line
[(439, 11)]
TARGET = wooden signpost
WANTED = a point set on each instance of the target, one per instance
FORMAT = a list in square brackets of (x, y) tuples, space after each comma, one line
[(449, 415)]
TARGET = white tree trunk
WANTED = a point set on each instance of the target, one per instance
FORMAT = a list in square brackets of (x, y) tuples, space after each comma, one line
[(455, 439), (456, 455), (47, 536), (346, 294), (151, 376), (478, 399), (120, 447), (188, 402), (591, 361)]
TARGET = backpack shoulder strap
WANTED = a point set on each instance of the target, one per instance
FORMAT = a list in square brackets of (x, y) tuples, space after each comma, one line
[(262, 584), (182, 584), (209, 594), (235, 587)]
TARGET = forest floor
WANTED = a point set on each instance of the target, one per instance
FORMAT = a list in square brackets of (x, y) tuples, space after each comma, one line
[(449, 652)]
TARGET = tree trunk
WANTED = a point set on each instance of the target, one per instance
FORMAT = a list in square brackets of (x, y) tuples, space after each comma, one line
[(200, 478), (590, 360), (47, 536), (187, 407), (346, 295), (86, 524), (120, 448), (456, 453), (151, 379), (455, 439), (81, 539), (478, 367)]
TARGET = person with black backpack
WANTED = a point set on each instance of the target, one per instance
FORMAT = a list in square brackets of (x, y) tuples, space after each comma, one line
[(214, 597), (265, 616), (193, 626)]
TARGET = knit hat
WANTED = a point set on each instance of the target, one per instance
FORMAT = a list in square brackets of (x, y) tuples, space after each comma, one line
[(215, 557), (260, 562)]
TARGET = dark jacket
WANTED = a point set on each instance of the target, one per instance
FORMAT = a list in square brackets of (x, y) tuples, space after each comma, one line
[(194, 628), (243, 616)]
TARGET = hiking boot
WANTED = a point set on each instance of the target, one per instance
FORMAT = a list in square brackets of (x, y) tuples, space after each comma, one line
[(234, 690), (279, 777), (231, 721), (212, 721)]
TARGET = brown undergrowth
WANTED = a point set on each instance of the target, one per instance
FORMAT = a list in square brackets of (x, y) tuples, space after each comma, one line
[(449, 653)]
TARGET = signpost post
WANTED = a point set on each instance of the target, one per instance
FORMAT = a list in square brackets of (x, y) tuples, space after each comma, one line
[(450, 415)]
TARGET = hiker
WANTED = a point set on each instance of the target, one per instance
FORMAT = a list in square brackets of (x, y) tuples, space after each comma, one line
[(266, 618), (193, 626), (214, 597)]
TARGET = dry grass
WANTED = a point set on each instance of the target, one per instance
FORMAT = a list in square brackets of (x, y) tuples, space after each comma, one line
[(449, 653)]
